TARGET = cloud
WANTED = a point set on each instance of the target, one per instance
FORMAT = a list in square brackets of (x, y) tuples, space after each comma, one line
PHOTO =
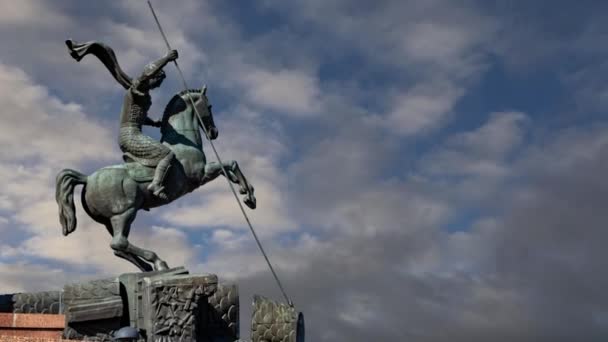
[(590, 93), (431, 54), (481, 152), (42, 118), (36, 145), (27, 14), (29, 167), (501, 279), (550, 233), (21, 277), (358, 224), (533, 37), (89, 246), (293, 92), (423, 108), (171, 244)]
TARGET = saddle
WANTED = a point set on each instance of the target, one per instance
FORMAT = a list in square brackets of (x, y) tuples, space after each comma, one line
[(138, 172)]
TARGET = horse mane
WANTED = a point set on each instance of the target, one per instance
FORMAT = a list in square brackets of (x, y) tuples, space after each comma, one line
[(169, 109)]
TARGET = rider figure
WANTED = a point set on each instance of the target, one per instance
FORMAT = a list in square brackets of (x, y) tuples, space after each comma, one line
[(137, 146), (134, 144)]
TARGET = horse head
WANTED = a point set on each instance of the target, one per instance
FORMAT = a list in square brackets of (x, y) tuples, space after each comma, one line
[(182, 120), (204, 109)]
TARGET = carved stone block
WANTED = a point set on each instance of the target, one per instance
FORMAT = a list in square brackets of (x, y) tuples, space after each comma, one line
[(132, 288), (273, 321), (174, 306), (92, 309), (220, 316)]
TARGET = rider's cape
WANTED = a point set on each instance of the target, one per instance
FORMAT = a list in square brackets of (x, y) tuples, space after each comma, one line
[(106, 56), (137, 147)]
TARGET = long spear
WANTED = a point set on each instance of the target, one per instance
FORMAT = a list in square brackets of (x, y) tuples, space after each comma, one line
[(257, 240)]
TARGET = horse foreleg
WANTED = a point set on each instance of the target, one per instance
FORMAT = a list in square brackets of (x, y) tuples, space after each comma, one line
[(212, 171), (234, 174), (246, 187)]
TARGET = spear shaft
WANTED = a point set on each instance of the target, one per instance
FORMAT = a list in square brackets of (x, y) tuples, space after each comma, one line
[(257, 240)]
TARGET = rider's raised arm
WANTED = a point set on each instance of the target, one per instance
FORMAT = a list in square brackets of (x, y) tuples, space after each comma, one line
[(158, 65)]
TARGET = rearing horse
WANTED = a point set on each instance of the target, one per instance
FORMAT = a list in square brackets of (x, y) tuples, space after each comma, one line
[(112, 195)]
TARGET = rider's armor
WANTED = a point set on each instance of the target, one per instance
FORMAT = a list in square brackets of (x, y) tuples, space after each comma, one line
[(134, 144), (141, 148)]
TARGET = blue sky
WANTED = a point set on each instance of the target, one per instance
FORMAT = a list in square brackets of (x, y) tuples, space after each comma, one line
[(425, 170)]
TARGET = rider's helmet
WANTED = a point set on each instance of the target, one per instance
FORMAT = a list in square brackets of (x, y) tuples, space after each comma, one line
[(126, 334)]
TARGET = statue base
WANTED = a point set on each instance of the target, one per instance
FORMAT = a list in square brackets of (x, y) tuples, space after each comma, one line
[(164, 306)]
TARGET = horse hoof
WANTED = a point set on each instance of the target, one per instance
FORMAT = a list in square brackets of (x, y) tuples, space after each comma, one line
[(161, 266), (250, 202), (242, 191)]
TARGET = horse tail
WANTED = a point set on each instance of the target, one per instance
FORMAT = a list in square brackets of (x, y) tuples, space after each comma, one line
[(64, 195)]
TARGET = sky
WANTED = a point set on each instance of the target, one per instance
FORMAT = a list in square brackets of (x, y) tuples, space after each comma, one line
[(425, 170)]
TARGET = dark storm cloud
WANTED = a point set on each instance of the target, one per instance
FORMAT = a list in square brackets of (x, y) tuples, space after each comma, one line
[(535, 272)]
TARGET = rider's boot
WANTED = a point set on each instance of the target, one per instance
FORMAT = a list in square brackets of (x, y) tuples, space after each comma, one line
[(157, 187)]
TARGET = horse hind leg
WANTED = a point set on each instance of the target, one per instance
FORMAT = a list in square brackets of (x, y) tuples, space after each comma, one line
[(159, 264), (137, 261), (120, 227)]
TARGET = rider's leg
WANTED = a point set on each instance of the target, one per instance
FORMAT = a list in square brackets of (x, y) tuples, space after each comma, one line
[(160, 173)]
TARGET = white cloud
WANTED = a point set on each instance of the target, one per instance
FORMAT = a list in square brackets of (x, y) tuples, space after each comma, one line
[(482, 151), (449, 46), (39, 125), (89, 245), (496, 138), (21, 277), (286, 91), (40, 135), (434, 51), (214, 209), (226, 239), (359, 309), (30, 13), (5, 203), (139, 46), (474, 165), (423, 108), (233, 265)]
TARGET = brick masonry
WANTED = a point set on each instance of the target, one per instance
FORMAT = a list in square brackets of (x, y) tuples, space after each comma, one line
[(31, 327)]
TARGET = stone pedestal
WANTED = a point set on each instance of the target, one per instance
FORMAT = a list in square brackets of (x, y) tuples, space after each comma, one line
[(172, 308), (165, 306)]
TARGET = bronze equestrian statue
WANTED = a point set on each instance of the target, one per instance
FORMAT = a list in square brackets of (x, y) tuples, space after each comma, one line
[(137, 146), (153, 173)]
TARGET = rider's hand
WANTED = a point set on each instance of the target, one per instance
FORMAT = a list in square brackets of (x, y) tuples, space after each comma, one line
[(172, 55)]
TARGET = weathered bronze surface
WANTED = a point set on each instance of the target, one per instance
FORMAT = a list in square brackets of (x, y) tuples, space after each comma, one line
[(154, 173)]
